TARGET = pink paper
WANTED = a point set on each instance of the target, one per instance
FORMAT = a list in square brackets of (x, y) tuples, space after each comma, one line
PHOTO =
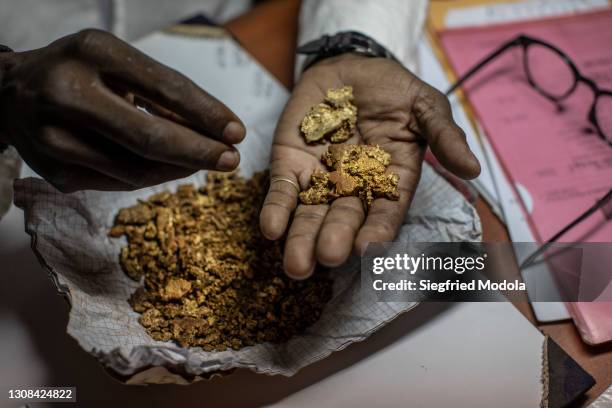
[(556, 161)]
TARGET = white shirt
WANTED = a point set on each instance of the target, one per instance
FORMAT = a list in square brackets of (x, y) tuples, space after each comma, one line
[(395, 24), (28, 24)]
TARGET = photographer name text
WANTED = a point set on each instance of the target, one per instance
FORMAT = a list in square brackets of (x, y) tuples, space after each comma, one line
[(448, 285)]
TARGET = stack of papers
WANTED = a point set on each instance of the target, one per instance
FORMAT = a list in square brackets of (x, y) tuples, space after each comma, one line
[(493, 184)]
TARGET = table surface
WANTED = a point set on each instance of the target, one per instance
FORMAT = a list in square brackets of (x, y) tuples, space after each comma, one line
[(269, 33)]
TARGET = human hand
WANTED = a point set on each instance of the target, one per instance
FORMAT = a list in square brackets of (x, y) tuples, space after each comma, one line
[(397, 111), (66, 108)]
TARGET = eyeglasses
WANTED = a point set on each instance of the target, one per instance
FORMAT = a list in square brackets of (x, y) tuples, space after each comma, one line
[(554, 75)]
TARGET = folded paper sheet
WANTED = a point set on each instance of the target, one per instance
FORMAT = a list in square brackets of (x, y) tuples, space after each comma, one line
[(70, 235), (558, 165)]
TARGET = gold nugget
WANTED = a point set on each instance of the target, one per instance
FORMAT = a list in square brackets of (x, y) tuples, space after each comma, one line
[(210, 279), (354, 170), (333, 119)]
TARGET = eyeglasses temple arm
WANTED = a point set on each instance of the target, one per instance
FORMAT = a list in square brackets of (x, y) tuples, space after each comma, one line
[(600, 203), (482, 63)]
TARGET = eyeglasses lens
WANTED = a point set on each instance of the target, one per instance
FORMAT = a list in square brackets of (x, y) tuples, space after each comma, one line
[(549, 72)]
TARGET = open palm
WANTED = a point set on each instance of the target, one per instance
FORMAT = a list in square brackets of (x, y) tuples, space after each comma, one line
[(396, 111)]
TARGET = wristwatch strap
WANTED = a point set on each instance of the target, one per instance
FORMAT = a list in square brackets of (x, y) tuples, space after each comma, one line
[(341, 43), (4, 48)]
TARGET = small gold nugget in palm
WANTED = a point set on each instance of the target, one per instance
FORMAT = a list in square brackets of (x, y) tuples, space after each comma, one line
[(354, 170), (333, 119)]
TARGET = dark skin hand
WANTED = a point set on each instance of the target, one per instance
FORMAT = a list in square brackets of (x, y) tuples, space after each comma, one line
[(68, 110), (397, 111)]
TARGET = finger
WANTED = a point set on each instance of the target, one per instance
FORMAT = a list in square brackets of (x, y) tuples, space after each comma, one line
[(446, 140), (382, 222), (385, 217), (280, 202), (339, 230), (69, 178), (162, 85), (95, 152), (151, 137), (286, 163), (299, 261)]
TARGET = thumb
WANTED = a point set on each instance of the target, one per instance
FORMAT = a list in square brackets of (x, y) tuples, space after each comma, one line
[(446, 140)]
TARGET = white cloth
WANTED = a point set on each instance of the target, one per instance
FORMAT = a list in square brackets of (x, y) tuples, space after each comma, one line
[(28, 24), (395, 24)]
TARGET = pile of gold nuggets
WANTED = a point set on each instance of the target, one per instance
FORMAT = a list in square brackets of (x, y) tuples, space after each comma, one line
[(210, 279)]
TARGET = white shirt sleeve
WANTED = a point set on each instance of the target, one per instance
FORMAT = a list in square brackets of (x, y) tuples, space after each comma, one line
[(395, 24)]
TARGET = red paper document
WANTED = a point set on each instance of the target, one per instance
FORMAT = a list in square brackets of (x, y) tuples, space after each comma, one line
[(558, 164)]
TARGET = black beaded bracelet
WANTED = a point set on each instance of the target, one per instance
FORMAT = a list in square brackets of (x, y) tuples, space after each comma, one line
[(4, 48)]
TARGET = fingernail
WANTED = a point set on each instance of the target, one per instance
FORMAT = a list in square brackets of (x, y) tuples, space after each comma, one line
[(475, 170), (306, 276), (363, 248), (476, 162), (314, 265), (233, 133), (228, 160)]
